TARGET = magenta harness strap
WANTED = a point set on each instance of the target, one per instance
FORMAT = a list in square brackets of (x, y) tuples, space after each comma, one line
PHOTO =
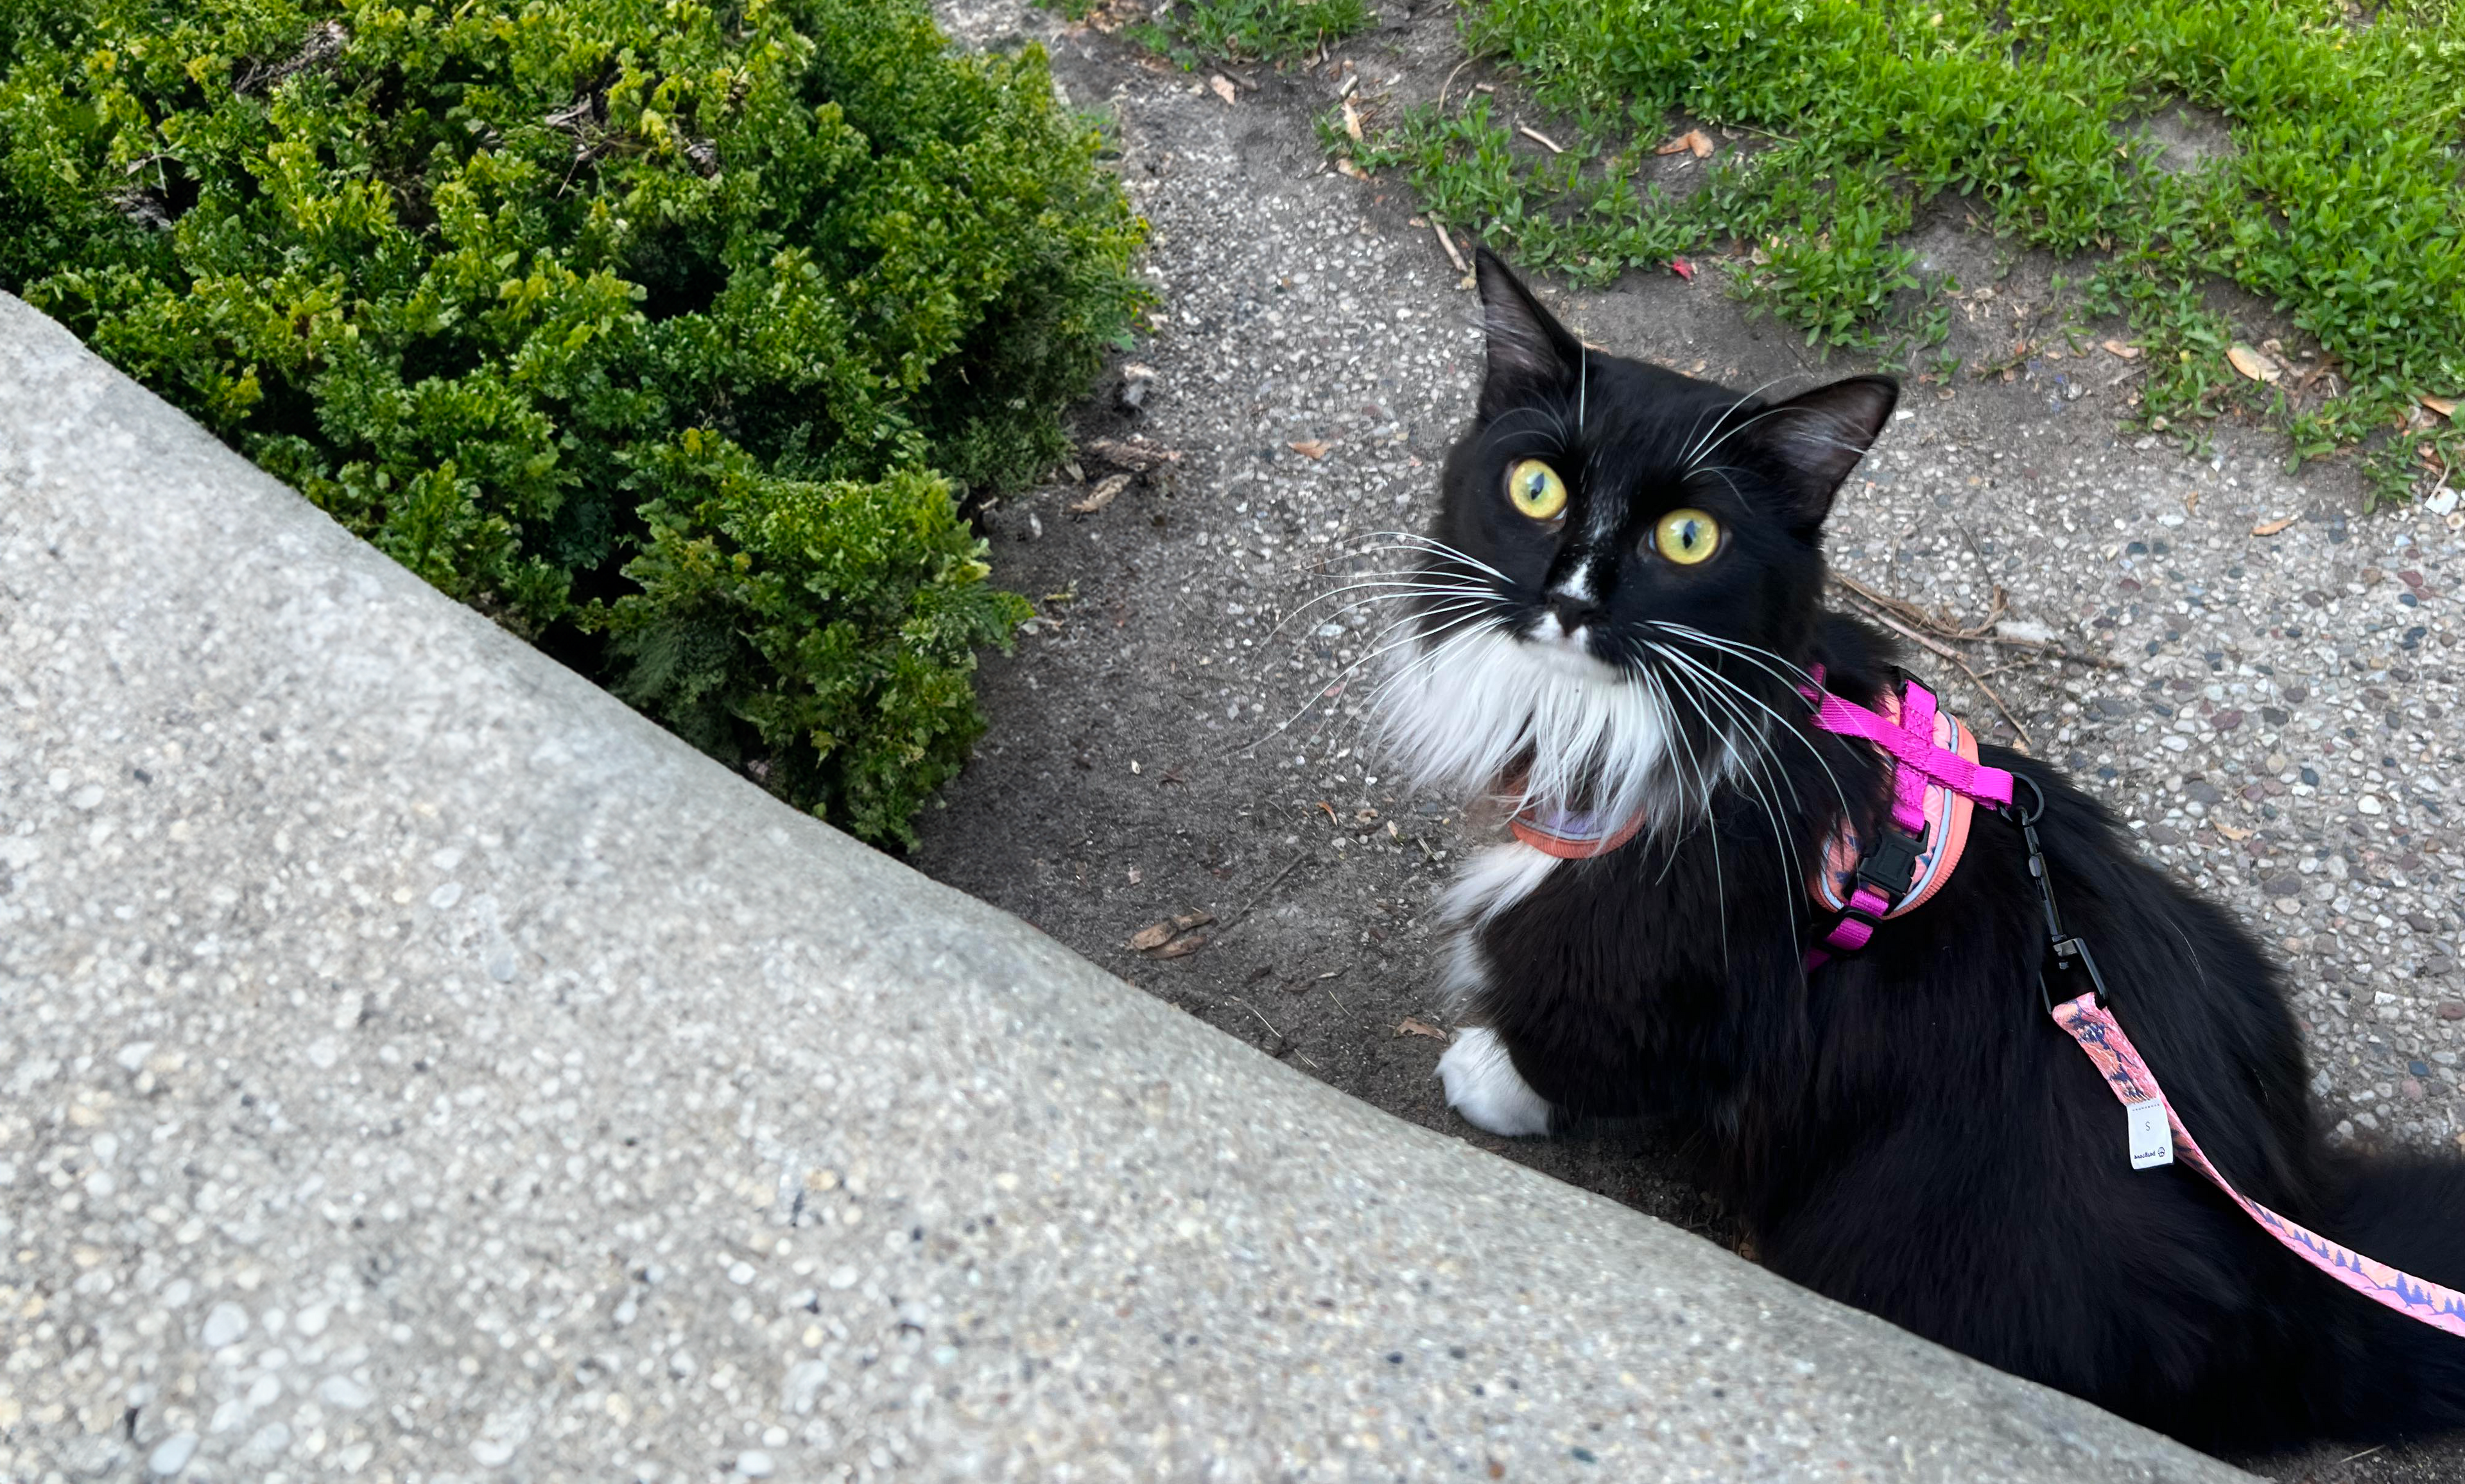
[(1934, 768)]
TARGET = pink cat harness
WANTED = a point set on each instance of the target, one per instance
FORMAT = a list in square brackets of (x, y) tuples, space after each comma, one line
[(1937, 784), (1937, 780)]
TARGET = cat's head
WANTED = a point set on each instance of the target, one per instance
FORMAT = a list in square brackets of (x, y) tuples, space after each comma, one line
[(1623, 575)]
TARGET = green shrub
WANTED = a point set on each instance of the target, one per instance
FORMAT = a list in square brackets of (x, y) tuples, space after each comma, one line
[(662, 332)]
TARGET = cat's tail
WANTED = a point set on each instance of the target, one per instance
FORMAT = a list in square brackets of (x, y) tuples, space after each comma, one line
[(2378, 1373)]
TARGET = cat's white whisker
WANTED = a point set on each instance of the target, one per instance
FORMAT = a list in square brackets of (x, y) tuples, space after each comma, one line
[(1583, 386), (1715, 446), (1755, 770), (1379, 592), (1379, 649), (1698, 432), (1427, 662), (1415, 541), (1711, 830), (1326, 690), (1765, 660), (1755, 730)]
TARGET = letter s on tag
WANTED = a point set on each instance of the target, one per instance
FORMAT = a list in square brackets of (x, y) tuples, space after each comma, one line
[(2152, 1141)]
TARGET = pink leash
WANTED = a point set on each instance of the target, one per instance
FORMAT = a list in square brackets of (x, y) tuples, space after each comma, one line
[(2092, 1026), (1885, 874)]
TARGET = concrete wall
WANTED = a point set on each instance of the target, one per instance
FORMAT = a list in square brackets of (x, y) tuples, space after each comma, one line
[(417, 1067)]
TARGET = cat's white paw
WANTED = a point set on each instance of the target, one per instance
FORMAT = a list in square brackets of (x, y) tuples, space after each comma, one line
[(1482, 1085)]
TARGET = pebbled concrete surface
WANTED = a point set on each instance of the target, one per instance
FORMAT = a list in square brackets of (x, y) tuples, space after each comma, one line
[(2276, 715), (418, 1068)]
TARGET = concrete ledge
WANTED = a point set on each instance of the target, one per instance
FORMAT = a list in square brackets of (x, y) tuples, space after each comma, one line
[(419, 1067)]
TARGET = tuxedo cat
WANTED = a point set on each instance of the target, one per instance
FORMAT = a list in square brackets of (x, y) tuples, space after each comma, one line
[(1611, 616)]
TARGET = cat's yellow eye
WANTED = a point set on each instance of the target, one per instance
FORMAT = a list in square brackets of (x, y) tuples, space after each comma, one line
[(1536, 490), (1687, 537)]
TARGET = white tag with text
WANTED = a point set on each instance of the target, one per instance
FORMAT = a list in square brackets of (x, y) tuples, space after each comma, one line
[(2153, 1142)]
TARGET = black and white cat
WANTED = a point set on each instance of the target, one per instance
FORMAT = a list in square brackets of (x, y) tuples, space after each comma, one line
[(1614, 609)]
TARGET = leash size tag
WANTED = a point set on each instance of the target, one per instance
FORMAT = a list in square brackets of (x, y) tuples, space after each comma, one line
[(2153, 1142)]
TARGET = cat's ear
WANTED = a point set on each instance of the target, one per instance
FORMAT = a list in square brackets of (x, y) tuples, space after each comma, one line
[(1811, 441), (1529, 351)]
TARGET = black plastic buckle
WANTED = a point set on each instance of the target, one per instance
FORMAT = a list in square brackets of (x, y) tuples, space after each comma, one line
[(1891, 867)]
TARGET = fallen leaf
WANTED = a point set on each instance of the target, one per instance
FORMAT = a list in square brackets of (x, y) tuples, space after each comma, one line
[(1344, 166), (2271, 527), (1222, 86), (1352, 121), (2253, 363), (2445, 406), (1409, 1025), (1330, 812), (1160, 934), (1136, 454), (2116, 347), (1309, 448), (2230, 831), (1101, 496), (1693, 142), (1682, 268), (1182, 947)]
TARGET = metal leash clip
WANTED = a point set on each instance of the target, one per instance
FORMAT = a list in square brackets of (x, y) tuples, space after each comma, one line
[(2070, 954)]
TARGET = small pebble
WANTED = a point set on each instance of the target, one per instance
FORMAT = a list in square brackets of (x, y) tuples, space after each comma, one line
[(172, 1454), (224, 1322), (754, 1464)]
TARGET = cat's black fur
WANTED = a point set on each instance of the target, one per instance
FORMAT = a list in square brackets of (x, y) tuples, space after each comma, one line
[(1905, 1130)]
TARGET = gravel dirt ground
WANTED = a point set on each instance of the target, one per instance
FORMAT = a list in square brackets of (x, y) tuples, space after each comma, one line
[(2269, 700)]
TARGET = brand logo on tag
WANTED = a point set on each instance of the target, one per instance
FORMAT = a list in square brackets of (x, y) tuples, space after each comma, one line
[(2152, 1141)]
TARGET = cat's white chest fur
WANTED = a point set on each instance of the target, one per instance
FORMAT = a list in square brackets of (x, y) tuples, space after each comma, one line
[(1481, 1079)]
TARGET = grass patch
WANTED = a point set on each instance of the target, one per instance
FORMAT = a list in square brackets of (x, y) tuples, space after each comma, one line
[(2338, 200), (1196, 31)]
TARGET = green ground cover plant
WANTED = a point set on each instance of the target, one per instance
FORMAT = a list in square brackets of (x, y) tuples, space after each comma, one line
[(664, 333), (1196, 31), (2338, 200)]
